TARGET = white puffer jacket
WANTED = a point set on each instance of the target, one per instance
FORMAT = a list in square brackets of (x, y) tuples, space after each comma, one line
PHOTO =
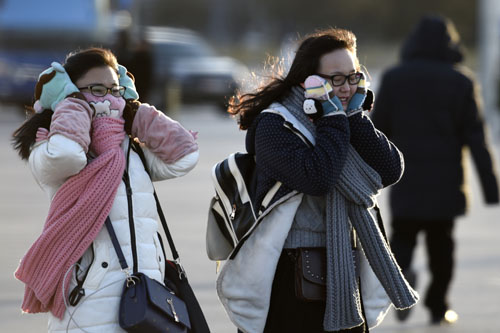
[(52, 162)]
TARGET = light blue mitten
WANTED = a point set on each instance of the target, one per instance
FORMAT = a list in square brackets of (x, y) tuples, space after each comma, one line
[(332, 105), (127, 82), (356, 103), (57, 86)]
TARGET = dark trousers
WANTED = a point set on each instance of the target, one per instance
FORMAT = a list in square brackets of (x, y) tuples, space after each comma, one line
[(439, 244), (289, 314)]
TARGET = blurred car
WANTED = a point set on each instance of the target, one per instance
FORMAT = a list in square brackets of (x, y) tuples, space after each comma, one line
[(19, 70), (187, 69), (35, 33)]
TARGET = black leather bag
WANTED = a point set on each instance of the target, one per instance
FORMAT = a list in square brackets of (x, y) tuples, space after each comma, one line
[(310, 274), (183, 289), (175, 275), (148, 306)]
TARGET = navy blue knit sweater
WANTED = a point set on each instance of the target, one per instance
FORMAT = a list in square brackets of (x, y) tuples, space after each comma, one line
[(282, 156)]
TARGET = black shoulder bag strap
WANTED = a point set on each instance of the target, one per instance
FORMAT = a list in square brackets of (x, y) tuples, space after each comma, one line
[(175, 254), (112, 233), (116, 245), (111, 230), (176, 275)]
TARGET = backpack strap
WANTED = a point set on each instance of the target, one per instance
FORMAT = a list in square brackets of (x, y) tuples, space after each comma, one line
[(292, 123), (269, 196)]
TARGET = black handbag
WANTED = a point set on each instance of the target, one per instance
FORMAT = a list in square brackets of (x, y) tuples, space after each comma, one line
[(310, 274), (147, 305)]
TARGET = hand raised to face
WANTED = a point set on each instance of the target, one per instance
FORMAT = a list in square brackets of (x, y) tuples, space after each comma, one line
[(127, 80), (54, 85), (319, 98)]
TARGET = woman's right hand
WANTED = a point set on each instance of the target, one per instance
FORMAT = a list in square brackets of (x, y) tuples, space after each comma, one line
[(53, 86), (318, 102), (72, 118)]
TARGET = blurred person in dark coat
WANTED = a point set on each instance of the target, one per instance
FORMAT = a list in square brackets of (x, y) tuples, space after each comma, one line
[(429, 107), (138, 58), (141, 64)]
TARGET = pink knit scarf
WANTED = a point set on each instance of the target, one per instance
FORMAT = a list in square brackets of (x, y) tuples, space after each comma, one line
[(75, 217)]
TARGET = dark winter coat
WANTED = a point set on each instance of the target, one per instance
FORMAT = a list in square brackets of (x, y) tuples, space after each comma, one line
[(281, 155), (429, 108)]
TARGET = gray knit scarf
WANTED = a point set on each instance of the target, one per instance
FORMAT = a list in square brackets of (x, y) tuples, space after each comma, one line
[(348, 205)]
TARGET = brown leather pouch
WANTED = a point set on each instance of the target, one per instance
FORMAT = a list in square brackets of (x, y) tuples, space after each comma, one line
[(310, 274)]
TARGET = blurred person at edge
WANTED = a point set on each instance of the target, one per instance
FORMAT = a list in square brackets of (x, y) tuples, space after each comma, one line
[(85, 117), (142, 65), (310, 137), (429, 107)]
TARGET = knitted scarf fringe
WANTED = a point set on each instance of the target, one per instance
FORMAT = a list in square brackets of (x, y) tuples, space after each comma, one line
[(348, 204)]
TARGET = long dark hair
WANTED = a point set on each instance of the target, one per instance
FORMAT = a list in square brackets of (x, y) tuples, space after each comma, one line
[(306, 62), (77, 63)]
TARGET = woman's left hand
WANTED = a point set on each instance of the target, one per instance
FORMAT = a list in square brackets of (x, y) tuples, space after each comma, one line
[(356, 103), (126, 79)]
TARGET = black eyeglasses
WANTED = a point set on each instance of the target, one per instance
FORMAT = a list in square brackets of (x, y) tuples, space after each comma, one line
[(99, 90), (339, 79)]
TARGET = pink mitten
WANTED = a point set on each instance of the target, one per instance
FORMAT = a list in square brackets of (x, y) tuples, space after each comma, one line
[(162, 135), (72, 118), (317, 88)]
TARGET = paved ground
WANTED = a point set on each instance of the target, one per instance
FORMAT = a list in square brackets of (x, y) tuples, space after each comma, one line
[(475, 293)]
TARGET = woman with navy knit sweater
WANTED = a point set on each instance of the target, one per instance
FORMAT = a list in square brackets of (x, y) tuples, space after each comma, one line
[(321, 164)]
